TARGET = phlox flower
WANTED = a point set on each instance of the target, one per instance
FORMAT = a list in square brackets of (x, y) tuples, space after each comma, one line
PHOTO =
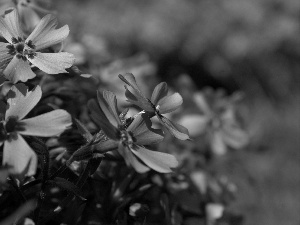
[(218, 119), (16, 152), (129, 140), (160, 103), (27, 9), (19, 53)]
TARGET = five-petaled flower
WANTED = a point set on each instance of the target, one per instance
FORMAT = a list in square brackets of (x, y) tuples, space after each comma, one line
[(129, 140), (219, 121), (19, 53), (16, 152), (159, 104)]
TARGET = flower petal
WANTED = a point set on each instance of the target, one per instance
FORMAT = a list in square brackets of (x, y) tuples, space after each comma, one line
[(101, 120), (137, 97), (195, 123), (18, 70), (53, 63), (48, 124), (111, 100), (175, 129), (217, 143), (234, 137), (131, 160), (160, 91), (21, 105), (170, 103), (45, 35), (10, 26), (19, 155), (143, 133), (139, 101), (158, 161), (53, 37), (4, 56)]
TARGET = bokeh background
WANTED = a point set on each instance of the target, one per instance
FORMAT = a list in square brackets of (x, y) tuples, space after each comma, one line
[(239, 45)]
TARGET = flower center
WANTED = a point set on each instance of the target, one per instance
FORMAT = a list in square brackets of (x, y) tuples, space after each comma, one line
[(24, 2), (126, 138), (8, 131), (20, 49)]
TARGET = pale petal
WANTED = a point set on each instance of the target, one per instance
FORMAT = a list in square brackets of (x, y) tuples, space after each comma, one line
[(102, 121), (4, 56), (234, 137), (48, 124), (175, 129), (131, 160), (143, 133), (170, 103), (201, 103), (111, 101), (18, 70), (10, 26), (53, 37), (195, 123), (160, 91), (217, 143), (21, 105), (159, 161), (47, 24), (53, 63), (136, 97), (19, 155)]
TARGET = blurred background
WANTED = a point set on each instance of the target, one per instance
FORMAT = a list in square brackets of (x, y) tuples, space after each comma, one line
[(252, 47)]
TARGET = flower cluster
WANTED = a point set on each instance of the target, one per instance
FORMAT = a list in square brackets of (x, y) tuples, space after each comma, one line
[(86, 160), (22, 53)]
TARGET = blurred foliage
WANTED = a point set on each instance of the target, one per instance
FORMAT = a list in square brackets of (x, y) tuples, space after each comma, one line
[(252, 45)]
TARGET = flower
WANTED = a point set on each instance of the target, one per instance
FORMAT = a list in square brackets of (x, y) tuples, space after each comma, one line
[(159, 104), (27, 10), (129, 140), (219, 121), (19, 52), (16, 152)]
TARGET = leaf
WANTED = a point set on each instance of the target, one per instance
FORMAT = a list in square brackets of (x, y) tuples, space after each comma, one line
[(4, 172), (83, 153), (69, 186), (83, 130), (42, 151), (164, 201), (21, 212)]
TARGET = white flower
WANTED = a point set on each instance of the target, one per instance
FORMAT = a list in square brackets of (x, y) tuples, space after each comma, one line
[(16, 152)]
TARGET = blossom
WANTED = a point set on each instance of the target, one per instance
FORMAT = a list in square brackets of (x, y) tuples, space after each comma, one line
[(27, 10), (160, 103), (218, 121), (19, 53), (16, 152), (129, 140)]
